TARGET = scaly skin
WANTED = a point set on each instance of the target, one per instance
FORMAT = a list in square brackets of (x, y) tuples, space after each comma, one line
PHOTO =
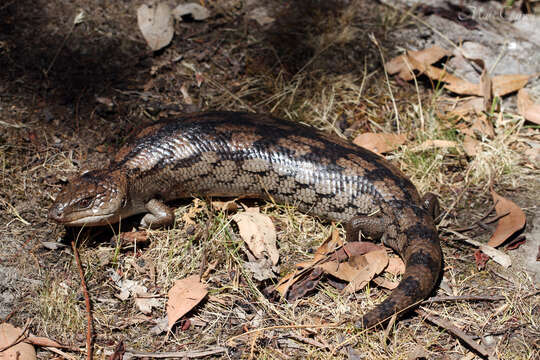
[(239, 154)]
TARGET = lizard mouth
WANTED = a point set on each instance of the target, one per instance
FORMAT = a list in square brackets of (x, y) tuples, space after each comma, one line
[(89, 220)]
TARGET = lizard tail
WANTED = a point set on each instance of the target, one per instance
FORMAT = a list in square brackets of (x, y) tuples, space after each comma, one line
[(423, 262)]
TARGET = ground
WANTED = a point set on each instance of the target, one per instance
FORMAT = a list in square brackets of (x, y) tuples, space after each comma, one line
[(71, 94)]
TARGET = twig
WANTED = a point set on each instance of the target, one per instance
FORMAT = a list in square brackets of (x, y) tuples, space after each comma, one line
[(90, 330), (178, 354), (479, 348), (463, 298), (64, 354), (498, 256), (470, 227), (481, 222), (78, 19), (396, 112)]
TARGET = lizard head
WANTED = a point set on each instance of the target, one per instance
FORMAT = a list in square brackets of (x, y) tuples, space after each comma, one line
[(95, 198)]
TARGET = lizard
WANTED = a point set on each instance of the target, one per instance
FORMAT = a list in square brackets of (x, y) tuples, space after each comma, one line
[(237, 154)]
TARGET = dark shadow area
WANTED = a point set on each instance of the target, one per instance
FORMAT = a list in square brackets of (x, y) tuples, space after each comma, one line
[(48, 61), (296, 38)]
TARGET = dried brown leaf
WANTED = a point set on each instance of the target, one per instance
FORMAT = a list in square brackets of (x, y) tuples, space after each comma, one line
[(487, 90), (509, 224), (328, 246), (230, 205), (343, 271), (527, 108), (259, 233), (483, 126), (380, 143), (470, 145), (421, 58), (352, 249), (471, 105), (385, 283), (9, 334), (463, 87), (184, 296), (500, 85), (377, 261), (507, 84), (396, 266)]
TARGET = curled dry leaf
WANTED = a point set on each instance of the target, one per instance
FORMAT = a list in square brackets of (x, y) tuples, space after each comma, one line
[(9, 334), (509, 224), (321, 254), (418, 60), (501, 85), (380, 143), (132, 237), (230, 205), (385, 283), (259, 233), (376, 262), (196, 11), (421, 61), (143, 300), (156, 24), (507, 84), (483, 126), (354, 248), (396, 266), (344, 271), (471, 105), (527, 108), (470, 145), (184, 296)]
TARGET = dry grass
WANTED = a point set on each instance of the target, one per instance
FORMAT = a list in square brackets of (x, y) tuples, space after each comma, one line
[(313, 90)]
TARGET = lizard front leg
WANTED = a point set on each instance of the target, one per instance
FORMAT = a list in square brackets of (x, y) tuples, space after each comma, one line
[(159, 215)]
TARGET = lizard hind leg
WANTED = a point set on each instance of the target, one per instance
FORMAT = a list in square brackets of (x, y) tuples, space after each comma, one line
[(371, 227)]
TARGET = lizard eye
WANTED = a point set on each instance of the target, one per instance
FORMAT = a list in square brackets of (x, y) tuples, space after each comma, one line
[(84, 203)]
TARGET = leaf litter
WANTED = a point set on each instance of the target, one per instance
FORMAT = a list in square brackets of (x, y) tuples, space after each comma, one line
[(183, 297)]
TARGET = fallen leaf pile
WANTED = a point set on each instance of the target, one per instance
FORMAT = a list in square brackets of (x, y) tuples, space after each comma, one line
[(354, 264), (416, 63), (481, 99)]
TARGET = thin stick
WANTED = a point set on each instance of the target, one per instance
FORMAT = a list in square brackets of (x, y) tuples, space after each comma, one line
[(463, 298), (479, 348), (396, 112), (90, 330), (178, 354)]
